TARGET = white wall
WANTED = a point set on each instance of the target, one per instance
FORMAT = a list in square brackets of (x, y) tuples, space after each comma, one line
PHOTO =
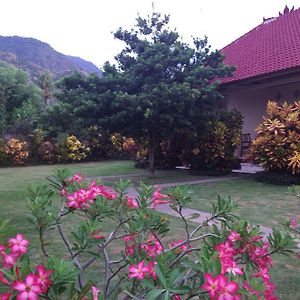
[(252, 102)]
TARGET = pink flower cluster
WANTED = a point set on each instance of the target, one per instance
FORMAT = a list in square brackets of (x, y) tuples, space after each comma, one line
[(227, 252), (33, 284), (82, 198), (159, 198), (141, 270), (260, 256), (152, 247), (16, 247)]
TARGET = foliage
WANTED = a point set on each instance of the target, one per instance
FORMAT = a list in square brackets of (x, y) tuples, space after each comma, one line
[(69, 148), (19, 100), (210, 262), (276, 147), (47, 151), (17, 150), (214, 146)]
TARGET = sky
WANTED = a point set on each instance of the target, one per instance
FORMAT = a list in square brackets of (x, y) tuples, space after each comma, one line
[(85, 28)]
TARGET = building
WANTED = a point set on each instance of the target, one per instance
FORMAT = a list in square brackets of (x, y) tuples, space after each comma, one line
[(267, 61)]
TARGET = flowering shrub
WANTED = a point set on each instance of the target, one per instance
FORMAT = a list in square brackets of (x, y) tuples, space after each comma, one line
[(17, 150), (230, 260), (71, 149), (276, 147)]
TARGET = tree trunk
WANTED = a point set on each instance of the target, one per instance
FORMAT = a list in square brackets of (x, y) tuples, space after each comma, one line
[(152, 158)]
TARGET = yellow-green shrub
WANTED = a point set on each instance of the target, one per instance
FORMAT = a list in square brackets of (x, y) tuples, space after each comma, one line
[(71, 149), (277, 146)]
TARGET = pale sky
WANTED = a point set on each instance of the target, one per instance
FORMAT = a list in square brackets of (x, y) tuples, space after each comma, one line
[(84, 27)]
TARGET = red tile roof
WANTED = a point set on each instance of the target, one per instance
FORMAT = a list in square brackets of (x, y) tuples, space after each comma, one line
[(270, 47)]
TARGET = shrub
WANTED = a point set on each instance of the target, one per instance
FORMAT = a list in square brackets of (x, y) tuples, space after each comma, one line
[(172, 151), (133, 258), (277, 146), (213, 148), (46, 151), (69, 148), (17, 150)]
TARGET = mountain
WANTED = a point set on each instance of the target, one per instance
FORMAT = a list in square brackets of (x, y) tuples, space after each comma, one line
[(36, 57)]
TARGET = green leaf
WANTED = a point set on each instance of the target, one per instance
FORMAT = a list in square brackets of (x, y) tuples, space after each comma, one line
[(161, 276), (153, 294)]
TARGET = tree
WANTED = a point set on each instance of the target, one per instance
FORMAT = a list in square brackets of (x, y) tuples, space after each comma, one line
[(19, 100), (46, 84), (168, 84)]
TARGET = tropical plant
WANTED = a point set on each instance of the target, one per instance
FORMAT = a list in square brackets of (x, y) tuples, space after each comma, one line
[(277, 147), (16, 150), (69, 148)]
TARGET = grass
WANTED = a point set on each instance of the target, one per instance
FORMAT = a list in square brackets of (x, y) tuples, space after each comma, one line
[(259, 203)]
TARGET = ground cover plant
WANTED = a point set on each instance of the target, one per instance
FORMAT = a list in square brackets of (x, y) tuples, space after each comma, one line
[(146, 268)]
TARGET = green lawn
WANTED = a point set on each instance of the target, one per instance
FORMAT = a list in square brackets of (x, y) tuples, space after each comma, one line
[(258, 202)]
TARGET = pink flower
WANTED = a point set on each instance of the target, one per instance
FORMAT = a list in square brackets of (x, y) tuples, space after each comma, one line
[(76, 177), (158, 198), (29, 289), (9, 260), (18, 244), (130, 249), (132, 203), (234, 269), (211, 284), (234, 236), (96, 235), (138, 271), (151, 269), (220, 288), (3, 279), (293, 222), (43, 278), (130, 237), (95, 292), (176, 297), (5, 296)]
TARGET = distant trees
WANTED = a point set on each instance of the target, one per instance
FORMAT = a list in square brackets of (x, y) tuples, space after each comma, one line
[(20, 101)]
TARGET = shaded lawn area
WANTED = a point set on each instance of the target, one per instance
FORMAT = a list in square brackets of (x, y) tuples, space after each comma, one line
[(260, 204)]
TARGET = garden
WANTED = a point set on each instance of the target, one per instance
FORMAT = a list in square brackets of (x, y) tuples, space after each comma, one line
[(84, 180)]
